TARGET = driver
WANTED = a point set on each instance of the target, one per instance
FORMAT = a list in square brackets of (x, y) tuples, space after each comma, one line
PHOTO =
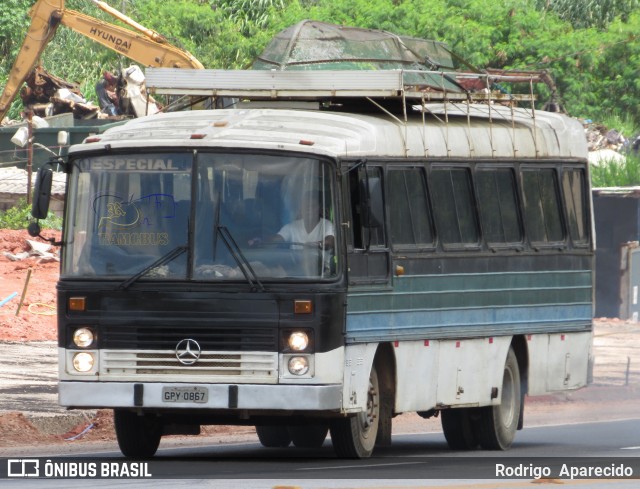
[(310, 227)]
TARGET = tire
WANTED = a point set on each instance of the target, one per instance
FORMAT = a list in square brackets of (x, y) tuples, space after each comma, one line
[(355, 436), (497, 425), (458, 429), (309, 436), (385, 425), (138, 436), (273, 436)]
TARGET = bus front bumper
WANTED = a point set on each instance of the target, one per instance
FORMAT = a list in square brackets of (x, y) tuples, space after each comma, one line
[(142, 395)]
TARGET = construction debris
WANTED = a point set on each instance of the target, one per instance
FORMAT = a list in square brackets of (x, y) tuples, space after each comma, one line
[(41, 251), (600, 137), (48, 95), (609, 145), (133, 94)]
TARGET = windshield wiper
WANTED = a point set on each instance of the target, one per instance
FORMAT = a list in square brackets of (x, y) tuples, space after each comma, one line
[(166, 258), (240, 259)]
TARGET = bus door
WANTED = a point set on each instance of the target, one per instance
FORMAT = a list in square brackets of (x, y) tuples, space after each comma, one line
[(367, 249)]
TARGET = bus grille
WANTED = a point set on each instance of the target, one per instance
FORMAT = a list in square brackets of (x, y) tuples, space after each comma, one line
[(210, 338), (216, 366)]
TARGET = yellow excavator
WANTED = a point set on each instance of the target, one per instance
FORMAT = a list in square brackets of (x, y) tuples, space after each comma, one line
[(146, 46)]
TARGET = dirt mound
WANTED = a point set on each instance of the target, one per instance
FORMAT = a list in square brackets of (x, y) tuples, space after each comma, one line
[(99, 428), (36, 319), (16, 427), (17, 430)]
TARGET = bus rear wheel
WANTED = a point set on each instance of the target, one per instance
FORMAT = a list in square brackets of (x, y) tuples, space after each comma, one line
[(273, 436), (310, 435), (138, 436), (497, 425), (355, 436), (458, 428)]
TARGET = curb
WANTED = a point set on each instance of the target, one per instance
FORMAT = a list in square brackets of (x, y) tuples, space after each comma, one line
[(59, 424)]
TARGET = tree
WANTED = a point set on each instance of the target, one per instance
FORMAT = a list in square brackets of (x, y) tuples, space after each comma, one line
[(13, 21), (589, 13), (589, 46)]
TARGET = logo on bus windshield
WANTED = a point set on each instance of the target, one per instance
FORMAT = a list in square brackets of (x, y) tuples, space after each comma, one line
[(188, 351)]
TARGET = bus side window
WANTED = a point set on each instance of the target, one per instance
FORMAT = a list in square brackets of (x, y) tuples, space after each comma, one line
[(409, 211), (543, 220), (369, 260), (355, 235), (374, 225), (367, 208), (573, 185), (454, 207), (498, 205)]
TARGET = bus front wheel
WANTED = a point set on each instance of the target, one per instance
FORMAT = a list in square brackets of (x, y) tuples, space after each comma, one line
[(138, 436), (355, 436), (497, 425)]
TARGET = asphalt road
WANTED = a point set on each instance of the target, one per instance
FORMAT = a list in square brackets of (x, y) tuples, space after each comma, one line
[(27, 382), (28, 378), (414, 461)]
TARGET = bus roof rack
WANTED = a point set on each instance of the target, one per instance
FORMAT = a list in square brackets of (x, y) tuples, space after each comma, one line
[(322, 85)]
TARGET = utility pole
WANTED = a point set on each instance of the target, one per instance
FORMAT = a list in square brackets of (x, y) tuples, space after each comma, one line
[(29, 153)]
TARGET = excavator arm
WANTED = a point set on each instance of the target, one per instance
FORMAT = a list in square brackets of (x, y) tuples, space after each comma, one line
[(156, 51), (41, 31), (147, 48)]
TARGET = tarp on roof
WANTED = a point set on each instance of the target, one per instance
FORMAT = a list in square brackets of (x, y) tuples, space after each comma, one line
[(314, 45)]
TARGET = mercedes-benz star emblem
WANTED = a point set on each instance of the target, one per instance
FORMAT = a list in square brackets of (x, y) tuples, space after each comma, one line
[(188, 351)]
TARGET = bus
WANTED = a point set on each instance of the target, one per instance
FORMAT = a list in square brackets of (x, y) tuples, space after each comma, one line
[(328, 254)]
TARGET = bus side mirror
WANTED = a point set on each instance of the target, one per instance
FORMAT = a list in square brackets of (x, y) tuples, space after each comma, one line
[(42, 193), (34, 229)]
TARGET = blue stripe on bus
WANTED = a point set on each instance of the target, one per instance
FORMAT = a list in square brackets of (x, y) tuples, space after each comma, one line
[(485, 281), (457, 305), (416, 324)]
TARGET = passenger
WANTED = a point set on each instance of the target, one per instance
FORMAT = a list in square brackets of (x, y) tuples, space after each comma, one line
[(107, 96)]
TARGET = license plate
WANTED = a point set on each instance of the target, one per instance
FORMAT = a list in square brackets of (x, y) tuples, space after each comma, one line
[(185, 394)]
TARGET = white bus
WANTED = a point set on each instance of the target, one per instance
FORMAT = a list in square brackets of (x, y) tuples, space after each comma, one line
[(375, 250)]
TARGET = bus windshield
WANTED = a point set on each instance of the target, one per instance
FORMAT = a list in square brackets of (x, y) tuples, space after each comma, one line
[(208, 217)]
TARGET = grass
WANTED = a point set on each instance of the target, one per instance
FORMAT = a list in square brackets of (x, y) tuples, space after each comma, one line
[(613, 173), (19, 217)]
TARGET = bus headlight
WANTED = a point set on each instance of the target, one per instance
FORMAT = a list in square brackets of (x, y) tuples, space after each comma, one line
[(83, 337), (298, 365), (298, 341), (83, 362)]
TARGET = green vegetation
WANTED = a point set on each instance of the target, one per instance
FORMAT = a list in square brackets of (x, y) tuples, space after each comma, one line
[(614, 174), (623, 123), (589, 13), (591, 47), (19, 217)]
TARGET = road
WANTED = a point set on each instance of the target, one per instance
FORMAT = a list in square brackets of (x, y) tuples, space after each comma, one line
[(415, 461)]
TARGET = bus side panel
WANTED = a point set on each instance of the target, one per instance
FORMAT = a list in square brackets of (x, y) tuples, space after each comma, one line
[(558, 362), (449, 372), (469, 369), (417, 375)]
